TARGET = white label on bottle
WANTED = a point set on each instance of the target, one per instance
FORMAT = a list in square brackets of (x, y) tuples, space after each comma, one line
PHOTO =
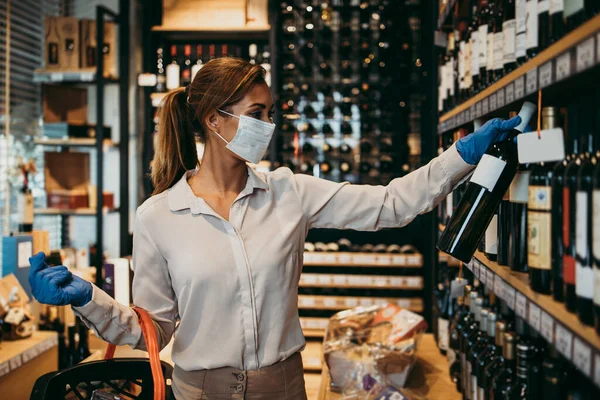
[(509, 32), (488, 172), (449, 204), (489, 51), (519, 188), (547, 327), (543, 6), (564, 341), (25, 208), (172, 76), (521, 28), (498, 50), (461, 61), (450, 353), (475, 53), (596, 244), (535, 318), (585, 54), (521, 305), (443, 334), (491, 236), (584, 275), (582, 356), (572, 6), (555, 6), (483, 42), (532, 24), (546, 74)]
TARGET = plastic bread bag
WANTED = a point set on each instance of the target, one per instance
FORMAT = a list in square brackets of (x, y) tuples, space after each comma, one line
[(380, 341)]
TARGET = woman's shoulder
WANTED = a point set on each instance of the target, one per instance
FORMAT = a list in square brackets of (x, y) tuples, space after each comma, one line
[(153, 206)]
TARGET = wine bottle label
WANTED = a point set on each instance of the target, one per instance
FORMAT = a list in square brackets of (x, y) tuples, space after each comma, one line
[(491, 236), (572, 7), (596, 244), (443, 334), (25, 208), (451, 356), (451, 69), (519, 188), (521, 27), (521, 45), (509, 31), (475, 53), (584, 275), (488, 172), (543, 6), (539, 227), (483, 40), (490, 51), (555, 5), (498, 50), (468, 48), (473, 386), (449, 204), (532, 24), (172, 76)]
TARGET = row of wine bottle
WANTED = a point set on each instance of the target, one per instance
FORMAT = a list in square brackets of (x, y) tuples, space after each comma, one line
[(345, 245), (494, 354), (544, 219), (490, 38)]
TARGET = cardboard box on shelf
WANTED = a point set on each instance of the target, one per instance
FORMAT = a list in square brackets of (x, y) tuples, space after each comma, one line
[(88, 46), (67, 178), (65, 104), (62, 43)]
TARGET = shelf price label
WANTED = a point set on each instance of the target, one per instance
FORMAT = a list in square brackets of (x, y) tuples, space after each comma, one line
[(532, 81), (478, 109), (582, 356), (519, 88), (366, 302), (564, 341), (493, 104), (345, 258), (498, 286), (476, 270), (509, 93), (546, 74), (596, 369), (15, 362), (89, 76), (340, 280), (585, 54), (563, 66), (510, 296), (330, 303), (351, 302), (56, 77), (535, 318), (547, 327), (500, 99), (485, 106), (521, 305), (4, 369)]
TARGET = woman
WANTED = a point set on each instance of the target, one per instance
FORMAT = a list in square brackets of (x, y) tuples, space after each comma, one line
[(218, 248)]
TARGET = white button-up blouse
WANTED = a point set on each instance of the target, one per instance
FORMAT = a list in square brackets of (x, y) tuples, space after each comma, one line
[(228, 290)]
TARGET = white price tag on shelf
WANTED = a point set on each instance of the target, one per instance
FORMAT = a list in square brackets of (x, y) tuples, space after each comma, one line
[(476, 271), (30, 354), (340, 280), (547, 327), (491, 276), (404, 303), (309, 258), (399, 260), (509, 93), (582, 356), (500, 98), (397, 282), (353, 280), (380, 282), (366, 302), (482, 274), (351, 302), (307, 301), (498, 287), (57, 76), (364, 259), (585, 54), (485, 106), (564, 341), (414, 283), (478, 109), (510, 296), (15, 362), (546, 74), (521, 305), (384, 259), (532, 81), (535, 318), (596, 369), (89, 76), (308, 279), (345, 258), (492, 102), (4, 369), (366, 281), (380, 301), (324, 279), (329, 302), (414, 260), (329, 258), (519, 88), (563, 66)]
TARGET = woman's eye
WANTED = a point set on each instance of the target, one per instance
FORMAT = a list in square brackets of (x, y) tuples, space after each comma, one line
[(257, 114)]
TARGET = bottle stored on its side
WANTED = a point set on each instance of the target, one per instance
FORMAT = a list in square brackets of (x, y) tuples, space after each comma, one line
[(519, 196), (487, 186)]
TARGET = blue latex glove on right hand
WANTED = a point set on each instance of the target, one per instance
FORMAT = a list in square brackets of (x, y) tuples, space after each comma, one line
[(472, 147), (57, 285)]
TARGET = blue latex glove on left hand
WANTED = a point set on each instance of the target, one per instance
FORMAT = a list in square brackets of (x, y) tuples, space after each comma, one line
[(57, 285), (472, 147)]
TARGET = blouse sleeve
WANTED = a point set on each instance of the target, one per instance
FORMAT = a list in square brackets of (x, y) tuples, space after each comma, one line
[(334, 205)]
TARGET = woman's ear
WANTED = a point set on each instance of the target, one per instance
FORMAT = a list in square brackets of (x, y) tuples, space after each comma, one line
[(213, 121)]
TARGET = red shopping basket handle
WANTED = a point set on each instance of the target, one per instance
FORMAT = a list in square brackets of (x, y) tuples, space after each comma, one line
[(149, 333)]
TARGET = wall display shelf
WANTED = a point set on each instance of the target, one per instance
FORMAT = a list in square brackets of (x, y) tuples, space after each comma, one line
[(578, 343), (250, 33), (74, 142), (339, 303), (78, 76), (568, 58), (362, 260), (312, 356), (86, 212), (361, 281), (313, 326)]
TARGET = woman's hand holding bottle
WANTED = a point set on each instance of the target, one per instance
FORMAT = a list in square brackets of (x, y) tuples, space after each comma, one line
[(472, 147)]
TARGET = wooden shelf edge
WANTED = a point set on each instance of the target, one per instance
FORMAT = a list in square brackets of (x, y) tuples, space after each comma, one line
[(78, 211), (520, 282), (567, 42), (211, 29)]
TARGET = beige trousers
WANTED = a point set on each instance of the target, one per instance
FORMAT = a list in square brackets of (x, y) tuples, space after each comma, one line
[(281, 381)]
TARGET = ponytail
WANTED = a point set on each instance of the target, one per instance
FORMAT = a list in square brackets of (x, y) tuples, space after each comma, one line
[(176, 146)]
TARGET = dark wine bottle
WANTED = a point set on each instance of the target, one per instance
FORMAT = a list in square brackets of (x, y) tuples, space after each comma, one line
[(596, 245), (346, 129), (83, 348), (443, 331), (186, 66), (518, 196), (509, 27), (72, 354), (491, 239), (487, 186), (503, 381), (533, 28), (554, 377), (521, 31), (584, 273), (483, 21), (495, 360), (543, 9), (574, 13), (557, 20), (498, 40), (504, 226)]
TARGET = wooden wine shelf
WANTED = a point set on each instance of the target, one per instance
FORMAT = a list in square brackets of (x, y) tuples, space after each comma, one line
[(449, 260), (548, 74), (312, 356), (342, 259), (86, 212), (76, 76), (74, 142), (314, 326), (579, 343), (361, 281), (311, 302)]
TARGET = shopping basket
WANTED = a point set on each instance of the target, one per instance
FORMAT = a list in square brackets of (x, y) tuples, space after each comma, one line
[(131, 378)]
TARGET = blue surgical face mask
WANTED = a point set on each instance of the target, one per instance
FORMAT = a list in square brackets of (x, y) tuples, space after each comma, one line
[(252, 138)]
